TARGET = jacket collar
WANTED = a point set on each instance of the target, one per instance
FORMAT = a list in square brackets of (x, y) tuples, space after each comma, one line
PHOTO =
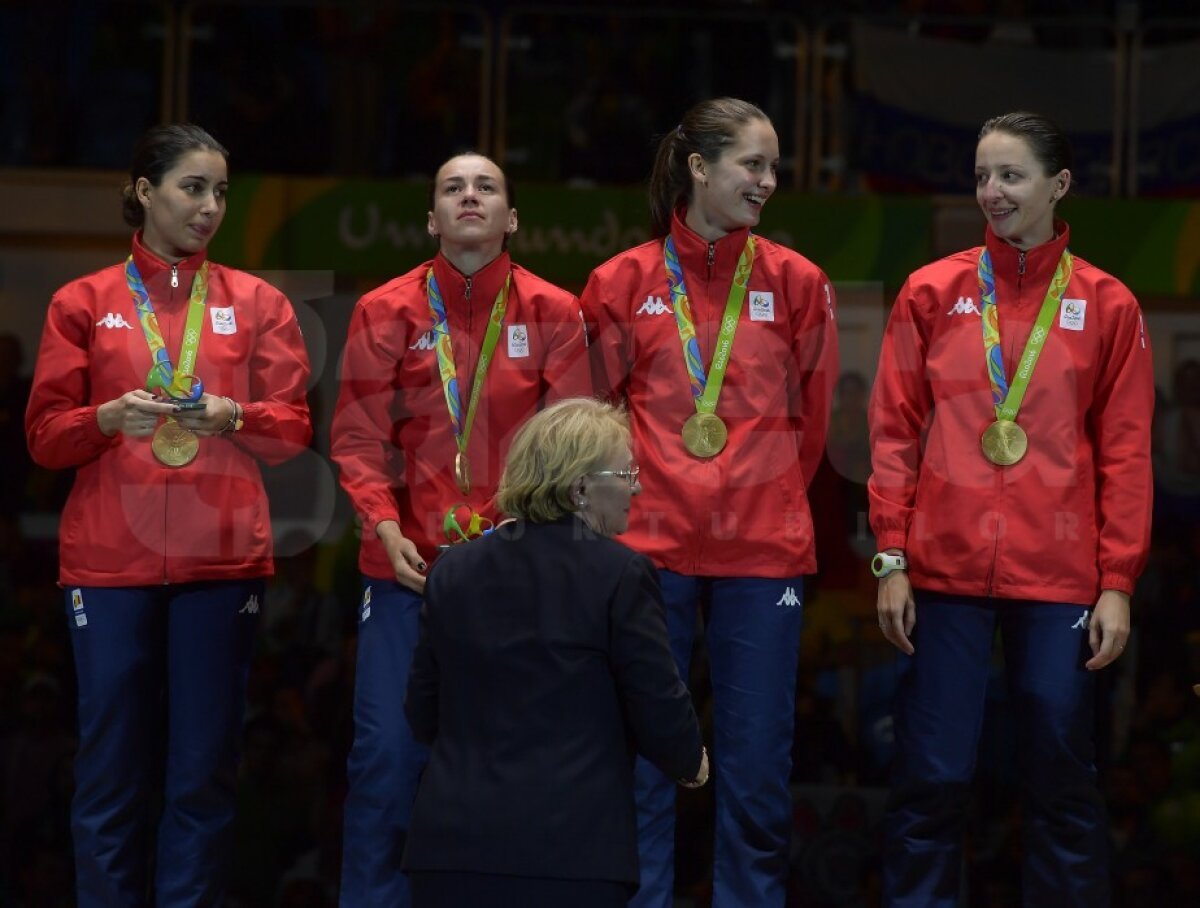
[(485, 283), (156, 273), (693, 248), (1040, 261)]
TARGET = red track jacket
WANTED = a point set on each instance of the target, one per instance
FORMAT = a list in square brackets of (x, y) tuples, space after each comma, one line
[(392, 437), (744, 512), (130, 520), (1072, 517)]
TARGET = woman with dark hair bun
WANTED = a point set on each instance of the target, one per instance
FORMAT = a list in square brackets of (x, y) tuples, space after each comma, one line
[(162, 381), (1010, 439), (723, 346)]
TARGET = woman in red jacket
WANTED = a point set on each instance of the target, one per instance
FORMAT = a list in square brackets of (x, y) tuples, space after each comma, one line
[(1010, 436), (442, 365), (163, 381), (727, 450)]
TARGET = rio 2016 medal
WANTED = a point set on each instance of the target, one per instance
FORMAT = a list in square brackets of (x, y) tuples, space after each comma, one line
[(462, 472), (174, 445), (1004, 442), (704, 434)]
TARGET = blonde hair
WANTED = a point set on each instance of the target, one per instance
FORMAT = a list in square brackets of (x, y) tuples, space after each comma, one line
[(552, 450)]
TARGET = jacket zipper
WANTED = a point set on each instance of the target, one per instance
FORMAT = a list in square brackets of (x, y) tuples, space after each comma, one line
[(470, 340), (712, 257), (175, 275)]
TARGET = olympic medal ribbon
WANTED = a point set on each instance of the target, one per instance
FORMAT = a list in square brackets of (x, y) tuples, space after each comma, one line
[(705, 433), (449, 374), (1004, 442)]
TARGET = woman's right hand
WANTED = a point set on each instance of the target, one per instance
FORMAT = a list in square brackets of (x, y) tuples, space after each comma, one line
[(897, 610), (701, 775), (136, 413), (402, 553)]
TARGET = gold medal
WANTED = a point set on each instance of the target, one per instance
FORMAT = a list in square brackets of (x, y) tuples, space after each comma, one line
[(704, 434), (1004, 442), (174, 445), (462, 472)]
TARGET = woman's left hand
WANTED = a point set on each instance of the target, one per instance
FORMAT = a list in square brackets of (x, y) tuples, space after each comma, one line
[(212, 420), (1108, 629)]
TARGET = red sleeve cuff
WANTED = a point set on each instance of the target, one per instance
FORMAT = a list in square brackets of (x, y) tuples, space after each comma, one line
[(1119, 582), (891, 539)]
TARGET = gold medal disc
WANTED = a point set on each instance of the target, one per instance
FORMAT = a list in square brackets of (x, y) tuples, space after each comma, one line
[(174, 445), (704, 434), (462, 472), (1004, 442)]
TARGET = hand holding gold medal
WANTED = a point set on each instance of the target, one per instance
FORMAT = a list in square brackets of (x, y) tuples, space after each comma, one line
[(175, 445)]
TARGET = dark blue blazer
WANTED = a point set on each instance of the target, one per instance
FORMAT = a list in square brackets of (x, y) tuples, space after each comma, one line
[(543, 664)]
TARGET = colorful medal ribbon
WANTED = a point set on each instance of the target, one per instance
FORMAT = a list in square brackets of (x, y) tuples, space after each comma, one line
[(177, 383), (706, 390), (449, 374), (471, 525), (1007, 399)]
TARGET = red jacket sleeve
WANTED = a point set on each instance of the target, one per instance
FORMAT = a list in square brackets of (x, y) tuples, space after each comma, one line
[(1122, 413), (815, 352), (901, 405), (566, 371), (60, 421), (277, 422), (608, 343), (363, 446)]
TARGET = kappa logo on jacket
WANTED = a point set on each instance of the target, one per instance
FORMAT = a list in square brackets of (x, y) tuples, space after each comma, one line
[(251, 606), (965, 306), (424, 342), (654, 305), (114, 320)]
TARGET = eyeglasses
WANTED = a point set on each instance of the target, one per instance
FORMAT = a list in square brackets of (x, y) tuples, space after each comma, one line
[(630, 475)]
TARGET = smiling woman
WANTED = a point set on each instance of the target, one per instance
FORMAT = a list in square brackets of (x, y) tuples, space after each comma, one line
[(745, 427), (1052, 369), (158, 590)]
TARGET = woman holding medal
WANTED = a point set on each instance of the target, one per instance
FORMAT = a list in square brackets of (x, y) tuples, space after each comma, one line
[(1010, 437), (162, 381), (441, 366), (723, 347)]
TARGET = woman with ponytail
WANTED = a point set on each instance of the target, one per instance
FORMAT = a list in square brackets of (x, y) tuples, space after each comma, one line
[(722, 345)]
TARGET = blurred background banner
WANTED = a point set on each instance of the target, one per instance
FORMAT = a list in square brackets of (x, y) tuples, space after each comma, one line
[(920, 101)]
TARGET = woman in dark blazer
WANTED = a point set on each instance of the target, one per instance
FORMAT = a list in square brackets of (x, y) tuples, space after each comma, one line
[(543, 666)]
